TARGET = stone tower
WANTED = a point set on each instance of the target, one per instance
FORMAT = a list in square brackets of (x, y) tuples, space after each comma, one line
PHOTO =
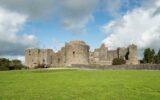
[(103, 53), (77, 52), (37, 57), (132, 54)]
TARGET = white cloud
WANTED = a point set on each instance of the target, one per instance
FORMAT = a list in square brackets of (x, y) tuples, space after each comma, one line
[(77, 13), (113, 6), (10, 42), (117, 8), (36, 9), (73, 14), (140, 26)]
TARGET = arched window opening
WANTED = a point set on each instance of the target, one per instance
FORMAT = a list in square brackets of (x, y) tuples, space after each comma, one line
[(73, 53), (58, 60), (43, 60), (29, 52)]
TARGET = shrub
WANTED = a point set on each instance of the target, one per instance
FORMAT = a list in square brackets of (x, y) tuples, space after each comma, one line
[(41, 66), (3, 68), (118, 61), (6, 64)]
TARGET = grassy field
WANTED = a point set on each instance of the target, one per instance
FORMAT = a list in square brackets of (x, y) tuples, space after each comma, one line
[(80, 85)]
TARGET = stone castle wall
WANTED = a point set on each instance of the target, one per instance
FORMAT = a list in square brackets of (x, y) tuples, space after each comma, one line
[(77, 52), (37, 57)]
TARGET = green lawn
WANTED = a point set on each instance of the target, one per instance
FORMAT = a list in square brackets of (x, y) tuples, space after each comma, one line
[(80, 85)]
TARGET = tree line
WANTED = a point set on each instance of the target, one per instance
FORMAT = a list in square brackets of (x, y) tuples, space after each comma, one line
[(151, 57), (6, 64)]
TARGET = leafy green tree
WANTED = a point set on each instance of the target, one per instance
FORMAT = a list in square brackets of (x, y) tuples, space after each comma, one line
[(148, 55), (152, 56), (156, 59), (16, 61), (4, 64), (15, 64)]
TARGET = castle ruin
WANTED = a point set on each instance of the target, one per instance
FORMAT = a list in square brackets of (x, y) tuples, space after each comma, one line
[(77, 52)]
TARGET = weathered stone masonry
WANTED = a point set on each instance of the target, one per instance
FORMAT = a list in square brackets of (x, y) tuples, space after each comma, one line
[(77, 52)]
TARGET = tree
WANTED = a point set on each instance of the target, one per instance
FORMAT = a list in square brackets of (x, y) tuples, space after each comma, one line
[(118, 61), (15, 64), (157, 58), (148, 55), (152, 56), (4, 64), (158, 54)]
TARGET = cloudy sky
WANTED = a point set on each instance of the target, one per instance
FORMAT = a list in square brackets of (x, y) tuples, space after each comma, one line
[(51, 23)]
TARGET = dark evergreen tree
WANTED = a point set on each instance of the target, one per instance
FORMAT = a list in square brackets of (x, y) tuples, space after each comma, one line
[(152, 56), (157, 58), (147, 55)]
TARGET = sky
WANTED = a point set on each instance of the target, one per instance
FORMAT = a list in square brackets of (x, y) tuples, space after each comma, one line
[(52, 23)]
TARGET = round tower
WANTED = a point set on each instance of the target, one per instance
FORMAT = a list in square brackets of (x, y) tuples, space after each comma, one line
[(77, 52), (133, 59)]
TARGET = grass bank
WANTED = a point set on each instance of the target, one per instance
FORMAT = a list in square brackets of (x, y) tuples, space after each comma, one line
[(80, 85)]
